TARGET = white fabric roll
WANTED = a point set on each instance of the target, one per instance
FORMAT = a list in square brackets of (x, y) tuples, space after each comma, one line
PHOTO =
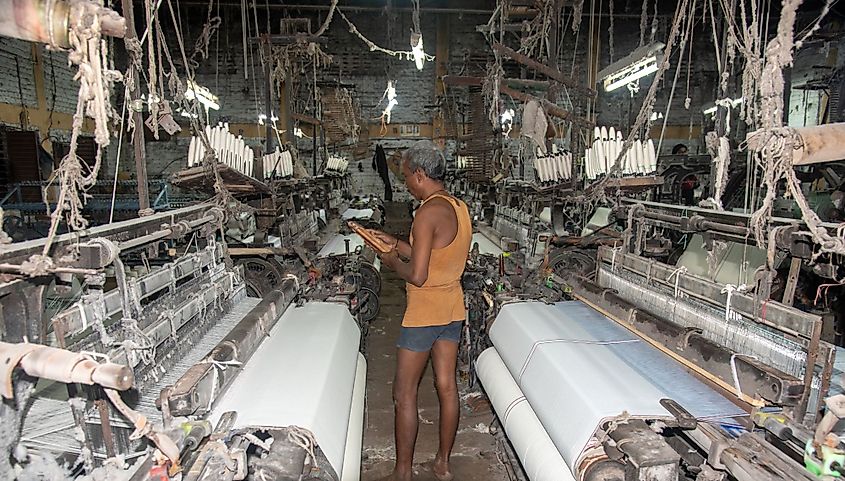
[(539, 456)]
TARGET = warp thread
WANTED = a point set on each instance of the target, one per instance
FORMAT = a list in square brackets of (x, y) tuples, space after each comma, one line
[(735, 374), (677, 275), (305, 439), (729, 289)]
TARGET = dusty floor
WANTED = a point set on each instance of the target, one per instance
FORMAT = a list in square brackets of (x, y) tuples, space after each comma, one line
[(474, 456)]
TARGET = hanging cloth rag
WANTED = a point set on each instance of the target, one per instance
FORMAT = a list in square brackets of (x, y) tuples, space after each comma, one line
[(534, 124), (380, 162)]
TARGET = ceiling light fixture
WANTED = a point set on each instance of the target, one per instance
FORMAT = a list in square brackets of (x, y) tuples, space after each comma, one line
[(640, 63), (202, 95), (417, 49)]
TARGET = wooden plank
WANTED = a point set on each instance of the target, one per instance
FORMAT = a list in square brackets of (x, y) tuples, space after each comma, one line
[(465, 81), (550, 108), (677, 357), (288, 39), (306, 118), (544, 69)]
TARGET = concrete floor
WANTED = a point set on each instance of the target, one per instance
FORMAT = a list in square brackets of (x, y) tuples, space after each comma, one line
[(474, 456)]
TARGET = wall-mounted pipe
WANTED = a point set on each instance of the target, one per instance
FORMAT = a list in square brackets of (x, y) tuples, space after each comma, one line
[(49, 21), (813, 145), (60, 365)]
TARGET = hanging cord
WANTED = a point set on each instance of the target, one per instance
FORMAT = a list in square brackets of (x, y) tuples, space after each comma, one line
[(212, 24), (774, 146), (490, 88), (643, 22), (90, 53), (538, 31), (610, 32), (654, 24), (405, 55), (415, 16), (223, 195), (681, 51), (304, 439), (597, 190), (687, 99), (808, 32), (677, 275), (735, 374), (577, 12), (153, 99), (328, 20), (729, 289), (117, 158)]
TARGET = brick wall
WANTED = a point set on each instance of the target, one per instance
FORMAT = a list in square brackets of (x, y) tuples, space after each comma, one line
[(16, 56), (242, 98), (18, 71)]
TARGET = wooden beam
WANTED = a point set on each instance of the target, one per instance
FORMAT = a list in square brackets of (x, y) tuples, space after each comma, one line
[(289, 39), (460, 80), (305, 118), (138, 142), (544, 69), (549, 107), (508, 27)]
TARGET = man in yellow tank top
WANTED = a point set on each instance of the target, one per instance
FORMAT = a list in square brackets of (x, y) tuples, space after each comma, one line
[(431, 263)]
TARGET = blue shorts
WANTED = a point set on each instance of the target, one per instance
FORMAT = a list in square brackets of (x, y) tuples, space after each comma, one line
[(421, 339)]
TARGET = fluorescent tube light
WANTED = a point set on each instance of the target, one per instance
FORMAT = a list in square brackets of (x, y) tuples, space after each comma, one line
[(202, 95), (636, 72), (638, 64)]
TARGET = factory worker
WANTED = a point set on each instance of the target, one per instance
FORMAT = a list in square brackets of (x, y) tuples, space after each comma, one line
[(432, 264)]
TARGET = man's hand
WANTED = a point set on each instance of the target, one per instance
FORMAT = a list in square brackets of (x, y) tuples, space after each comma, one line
[(391, 259), (386, 238)]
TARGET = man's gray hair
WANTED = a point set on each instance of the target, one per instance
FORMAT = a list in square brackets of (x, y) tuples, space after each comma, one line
[(425, 156)]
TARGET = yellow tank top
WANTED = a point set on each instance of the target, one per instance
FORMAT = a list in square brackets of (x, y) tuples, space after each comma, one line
[(440, 300)]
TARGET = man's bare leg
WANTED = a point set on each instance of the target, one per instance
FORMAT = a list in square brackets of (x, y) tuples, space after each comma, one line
[(409, 369), (444, 357)]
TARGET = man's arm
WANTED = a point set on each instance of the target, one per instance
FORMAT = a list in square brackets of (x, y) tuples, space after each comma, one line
[(415, 270), (402, 247)]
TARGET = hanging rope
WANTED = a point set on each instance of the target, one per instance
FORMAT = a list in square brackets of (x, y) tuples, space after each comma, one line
[(152, 92), (117, 157), (73, 177), (643, 22), (577, 12), (329, 18), (610, 31), (405, 55), (598, 189), (212, 24)]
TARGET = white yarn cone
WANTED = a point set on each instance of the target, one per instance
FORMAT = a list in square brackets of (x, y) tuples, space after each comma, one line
[(652, 157), (192, 148), (639, 160)]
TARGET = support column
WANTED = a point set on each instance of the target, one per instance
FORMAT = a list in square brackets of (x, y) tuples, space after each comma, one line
[(268, 96), (140, 150), (440, 62)]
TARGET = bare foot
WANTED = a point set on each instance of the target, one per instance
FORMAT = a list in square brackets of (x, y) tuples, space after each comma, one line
[(441, 470), (398, 475)]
